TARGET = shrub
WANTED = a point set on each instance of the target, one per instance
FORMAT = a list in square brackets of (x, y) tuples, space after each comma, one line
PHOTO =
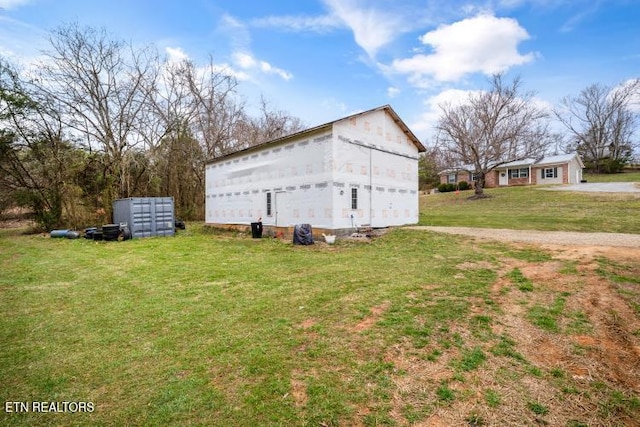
[(463, 185), (444, 188)]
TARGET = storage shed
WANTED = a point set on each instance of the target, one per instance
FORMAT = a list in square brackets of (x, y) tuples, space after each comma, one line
[(361, 170), (146, 216)]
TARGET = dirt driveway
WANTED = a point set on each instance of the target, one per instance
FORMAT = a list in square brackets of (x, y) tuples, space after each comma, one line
[(565, 238), (599, 187)]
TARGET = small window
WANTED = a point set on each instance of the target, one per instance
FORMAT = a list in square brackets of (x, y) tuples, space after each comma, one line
[(354, 198), (269, 210), (475, 177), (519, 173), (451, 178), (550, 173)]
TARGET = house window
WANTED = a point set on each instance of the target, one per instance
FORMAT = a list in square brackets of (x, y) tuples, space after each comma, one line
[(550, 173), (451, 178), (519, 173), (475, 177), (269, 210), (354, 198)]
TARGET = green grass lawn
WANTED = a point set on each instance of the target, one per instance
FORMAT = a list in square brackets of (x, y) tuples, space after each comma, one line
[(211, 328), (626, 176), (535, 209)]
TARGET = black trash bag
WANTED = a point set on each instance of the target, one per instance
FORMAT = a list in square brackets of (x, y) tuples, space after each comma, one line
[(302, 234)]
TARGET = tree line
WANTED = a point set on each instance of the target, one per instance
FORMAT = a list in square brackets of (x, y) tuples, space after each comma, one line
[(505, 123), (100, 119)]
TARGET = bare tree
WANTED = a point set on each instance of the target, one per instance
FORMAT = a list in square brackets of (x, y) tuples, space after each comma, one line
[(269, 125), (101, 86), (35, 160), (602, 122), (193, 117), (215, 110), (492, 128)]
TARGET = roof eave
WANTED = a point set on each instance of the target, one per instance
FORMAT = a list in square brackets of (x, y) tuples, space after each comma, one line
[(271, 142), (405, 129)]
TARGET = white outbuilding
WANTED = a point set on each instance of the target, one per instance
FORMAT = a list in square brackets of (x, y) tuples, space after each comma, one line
[(358, 171)]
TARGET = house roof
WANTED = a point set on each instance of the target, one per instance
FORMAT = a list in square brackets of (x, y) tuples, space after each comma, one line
[(517, 163), (387, 108), (547, 160), (562, 158)]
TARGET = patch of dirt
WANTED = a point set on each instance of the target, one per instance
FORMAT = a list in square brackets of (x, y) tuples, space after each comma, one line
[(468, 265), (298, 389), (609, 352), (370, 320), (308, 323), (570, 372)]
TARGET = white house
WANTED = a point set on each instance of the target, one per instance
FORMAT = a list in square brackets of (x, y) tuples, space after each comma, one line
[(361, 170)]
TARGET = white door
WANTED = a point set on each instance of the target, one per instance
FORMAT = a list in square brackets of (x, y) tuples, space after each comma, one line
[(503, 177), (283, 212)]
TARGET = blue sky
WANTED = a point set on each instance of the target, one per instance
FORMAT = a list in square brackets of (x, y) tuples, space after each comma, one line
[(323, 59)]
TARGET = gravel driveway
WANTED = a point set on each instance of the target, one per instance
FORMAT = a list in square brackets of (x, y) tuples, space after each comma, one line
[(569, 238), (600, 187)]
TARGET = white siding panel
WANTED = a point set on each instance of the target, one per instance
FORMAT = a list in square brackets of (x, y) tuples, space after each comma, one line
[(388, 181), (293, 172), (376, 128)]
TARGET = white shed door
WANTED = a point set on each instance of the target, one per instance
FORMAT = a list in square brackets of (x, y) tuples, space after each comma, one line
[(283, 211)]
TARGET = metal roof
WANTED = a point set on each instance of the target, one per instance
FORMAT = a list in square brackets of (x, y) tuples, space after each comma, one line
[(557, 159)]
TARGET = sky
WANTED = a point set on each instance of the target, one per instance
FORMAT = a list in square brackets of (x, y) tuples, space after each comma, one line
[(321, 60)]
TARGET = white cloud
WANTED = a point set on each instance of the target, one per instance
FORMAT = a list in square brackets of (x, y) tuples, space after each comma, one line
[(224, 68), (242, 56), (374, 23), (372, 28), (428, 119), (237, 32), (247, 61), (10, 4), (244, 60), (484, 44), (392, 92), (175, 54), (319, 24)]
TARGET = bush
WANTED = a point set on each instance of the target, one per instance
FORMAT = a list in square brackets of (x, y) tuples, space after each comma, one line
[(463, 185), (445, 188)]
